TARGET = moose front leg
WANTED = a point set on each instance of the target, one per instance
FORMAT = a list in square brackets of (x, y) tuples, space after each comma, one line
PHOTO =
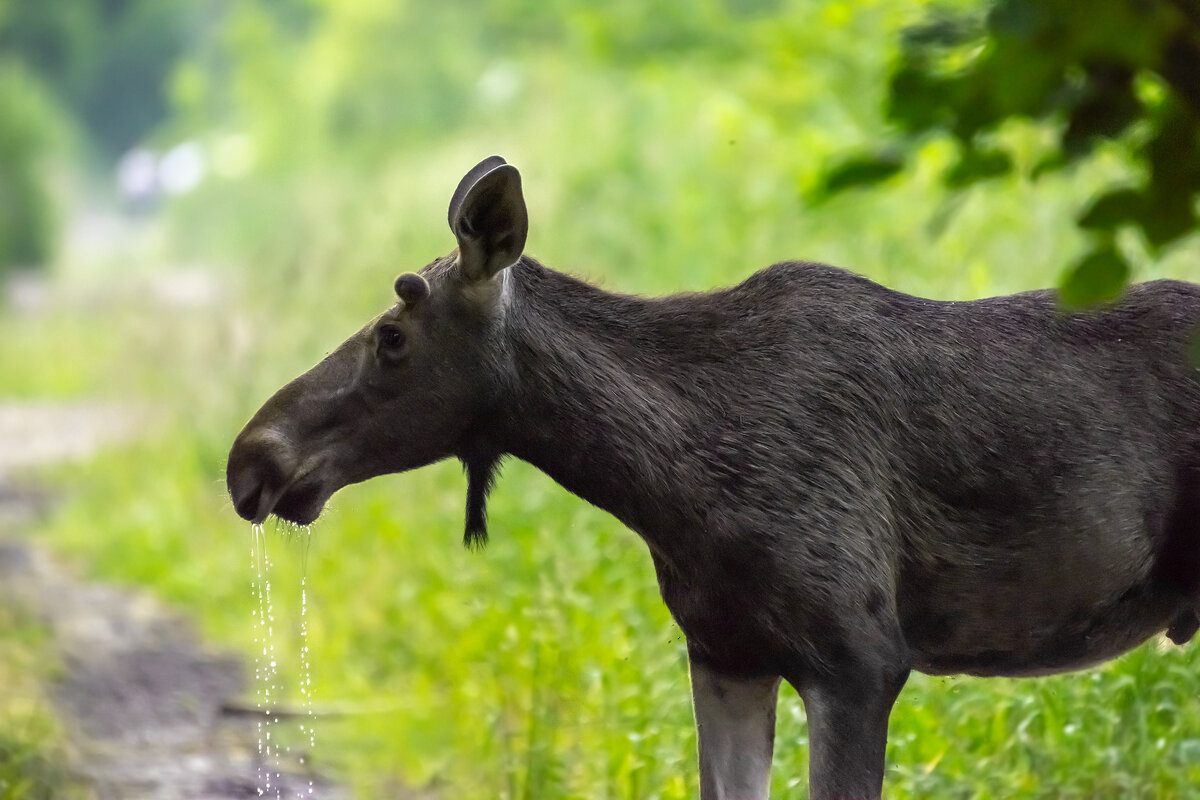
[(735, 719), (847, 732)]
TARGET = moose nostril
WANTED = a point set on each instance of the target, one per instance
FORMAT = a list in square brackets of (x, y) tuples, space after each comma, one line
[(254, 470), (246, 501), (246, 486)]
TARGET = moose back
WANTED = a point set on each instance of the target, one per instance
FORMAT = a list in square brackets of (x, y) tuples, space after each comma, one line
[(837, 483)]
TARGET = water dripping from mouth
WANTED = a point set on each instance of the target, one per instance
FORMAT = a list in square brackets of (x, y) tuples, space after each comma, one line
[(305, 663), (266, 670), (265, 666)]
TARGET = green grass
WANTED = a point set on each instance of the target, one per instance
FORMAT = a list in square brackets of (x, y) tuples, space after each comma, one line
[(32, 765)]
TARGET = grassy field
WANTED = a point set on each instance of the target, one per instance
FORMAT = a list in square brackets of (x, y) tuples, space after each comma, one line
[(546, 666)]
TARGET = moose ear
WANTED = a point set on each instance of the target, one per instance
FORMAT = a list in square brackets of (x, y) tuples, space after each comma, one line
[(488, 218)]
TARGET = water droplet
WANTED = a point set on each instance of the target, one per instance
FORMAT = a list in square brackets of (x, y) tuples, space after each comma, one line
[(266, 665)]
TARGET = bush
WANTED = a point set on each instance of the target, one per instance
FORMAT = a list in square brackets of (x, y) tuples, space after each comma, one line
[(31, 132)]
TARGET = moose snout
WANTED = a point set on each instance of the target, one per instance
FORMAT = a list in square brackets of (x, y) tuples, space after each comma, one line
[(260, 467)]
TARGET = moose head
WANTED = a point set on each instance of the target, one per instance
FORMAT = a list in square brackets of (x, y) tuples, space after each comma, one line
[(410, 388)]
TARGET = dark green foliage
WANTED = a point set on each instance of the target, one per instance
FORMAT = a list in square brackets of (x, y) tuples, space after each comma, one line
[(29, 128), (977, 164), (28, 771), (1099, 277), (106, 60), (100, 66), (32, 760), (1124, 71), (862, 171), (1110, 210), (100, 63)]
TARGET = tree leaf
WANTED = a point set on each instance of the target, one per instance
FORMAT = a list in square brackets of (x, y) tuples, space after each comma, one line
[(1051, 162), (1170, 216), (860, 171), (1109, 211), (917, 100), (1108, 106), (1099, 277), (943, 28), (976, 165)]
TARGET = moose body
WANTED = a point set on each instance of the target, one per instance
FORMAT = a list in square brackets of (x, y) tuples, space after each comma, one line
[(837, 482)]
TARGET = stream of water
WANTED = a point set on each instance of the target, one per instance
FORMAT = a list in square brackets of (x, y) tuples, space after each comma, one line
[(268, 691)]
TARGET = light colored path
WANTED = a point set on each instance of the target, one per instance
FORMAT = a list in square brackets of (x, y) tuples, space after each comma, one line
[(35, 433)]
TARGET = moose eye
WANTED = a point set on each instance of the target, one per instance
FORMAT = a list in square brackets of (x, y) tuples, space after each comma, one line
[(391, 337)]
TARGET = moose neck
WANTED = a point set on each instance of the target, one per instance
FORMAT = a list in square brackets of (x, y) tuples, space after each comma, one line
[(593, 403)]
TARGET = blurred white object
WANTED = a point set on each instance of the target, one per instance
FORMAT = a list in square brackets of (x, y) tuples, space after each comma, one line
[(182, 168), (137, 178), (499, 84)]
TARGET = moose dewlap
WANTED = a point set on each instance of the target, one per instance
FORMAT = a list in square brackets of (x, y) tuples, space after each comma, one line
[(837, 482)]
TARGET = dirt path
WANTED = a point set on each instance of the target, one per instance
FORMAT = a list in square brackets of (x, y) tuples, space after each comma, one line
[(141, 697)]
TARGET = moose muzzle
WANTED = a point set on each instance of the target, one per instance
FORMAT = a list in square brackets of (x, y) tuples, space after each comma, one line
[(264, 477)]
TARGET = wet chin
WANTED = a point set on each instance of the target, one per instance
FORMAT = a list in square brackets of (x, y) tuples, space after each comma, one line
[(301, 506)]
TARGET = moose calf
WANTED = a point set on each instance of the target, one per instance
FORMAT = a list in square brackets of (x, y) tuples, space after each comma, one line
[(837, 482)]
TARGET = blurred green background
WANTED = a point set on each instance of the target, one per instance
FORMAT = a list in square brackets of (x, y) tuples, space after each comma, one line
[(198, 200)]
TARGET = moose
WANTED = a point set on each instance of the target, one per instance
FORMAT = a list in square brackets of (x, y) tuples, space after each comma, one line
[(837, 483)]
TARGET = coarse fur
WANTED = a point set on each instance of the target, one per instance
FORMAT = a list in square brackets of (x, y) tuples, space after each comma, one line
[(837, 482)]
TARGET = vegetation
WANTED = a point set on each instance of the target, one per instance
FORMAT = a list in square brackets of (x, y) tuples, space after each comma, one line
[(81, 80), (664, 151), (1122, 74), (28, 128), (104, 61), (31, 759)]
